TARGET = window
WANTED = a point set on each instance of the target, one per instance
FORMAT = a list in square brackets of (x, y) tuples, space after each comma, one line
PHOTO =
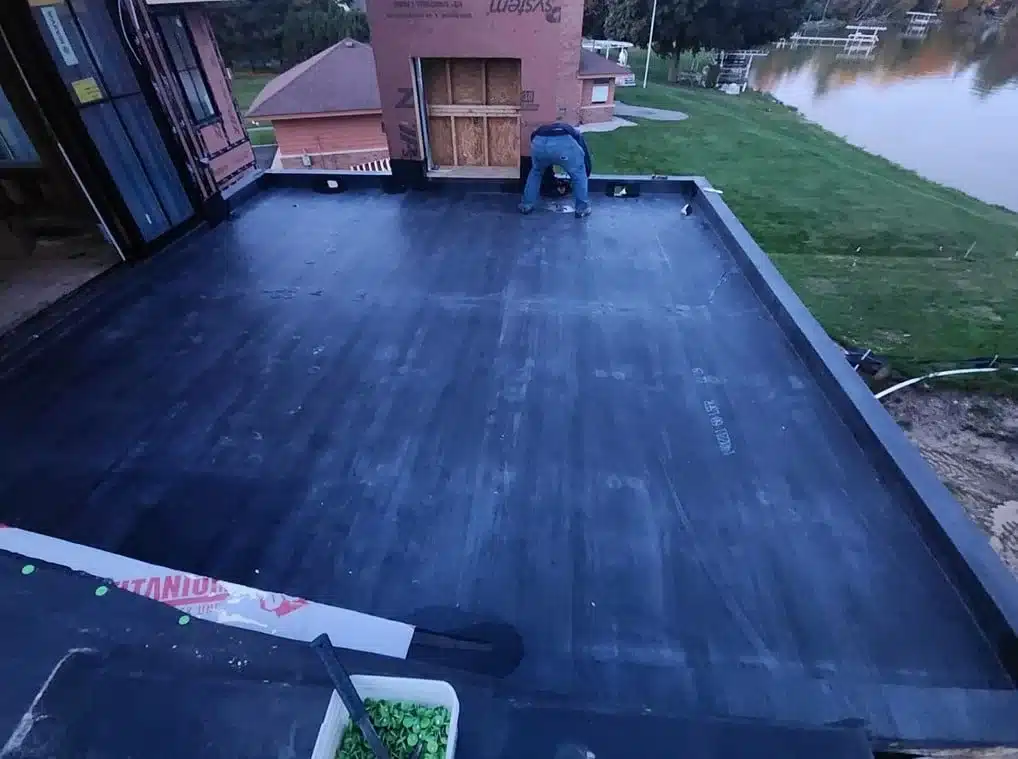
[(599, 92), (14, 142), (187, 66)]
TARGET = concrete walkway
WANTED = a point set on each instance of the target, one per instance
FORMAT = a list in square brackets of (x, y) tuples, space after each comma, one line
[(605, 126), (654, 114), (632, 111)]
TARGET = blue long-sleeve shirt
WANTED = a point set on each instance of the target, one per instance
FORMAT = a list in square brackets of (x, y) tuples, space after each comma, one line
[(560, 128)]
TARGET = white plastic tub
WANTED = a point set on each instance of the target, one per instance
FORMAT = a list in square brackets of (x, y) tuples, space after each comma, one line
[(424, 692)]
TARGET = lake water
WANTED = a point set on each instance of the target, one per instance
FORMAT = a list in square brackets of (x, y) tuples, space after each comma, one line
[(945, 107)]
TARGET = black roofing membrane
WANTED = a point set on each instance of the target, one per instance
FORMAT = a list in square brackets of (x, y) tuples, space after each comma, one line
[(592, 430)]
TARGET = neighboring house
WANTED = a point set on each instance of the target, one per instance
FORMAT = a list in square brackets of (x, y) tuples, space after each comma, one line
[(326, 111), (597, 101)]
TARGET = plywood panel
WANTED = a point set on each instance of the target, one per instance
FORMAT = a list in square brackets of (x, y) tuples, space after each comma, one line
[(467, 81), (440, 141), (436, 85), (503, 81), (473, 112), (503, 141), (469, 141)]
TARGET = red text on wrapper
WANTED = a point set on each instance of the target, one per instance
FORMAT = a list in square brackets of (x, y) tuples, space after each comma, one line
[(281, 605), (201, 594), (178, 590)]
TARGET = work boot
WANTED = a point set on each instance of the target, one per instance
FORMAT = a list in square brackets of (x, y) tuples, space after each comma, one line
[(582, 211)]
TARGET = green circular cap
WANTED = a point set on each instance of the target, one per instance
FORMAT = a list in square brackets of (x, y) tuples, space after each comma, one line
[(183, 620), (28, 569), (102, 590)]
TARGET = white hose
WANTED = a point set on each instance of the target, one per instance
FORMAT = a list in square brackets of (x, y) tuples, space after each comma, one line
[(947, 373)]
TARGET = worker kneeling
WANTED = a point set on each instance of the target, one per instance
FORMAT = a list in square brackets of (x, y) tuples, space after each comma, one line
[(558, 144)]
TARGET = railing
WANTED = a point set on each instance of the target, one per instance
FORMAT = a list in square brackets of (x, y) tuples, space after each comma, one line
[(919, 24), (859, 38), (381, 165), (735, 66), (866, 28)]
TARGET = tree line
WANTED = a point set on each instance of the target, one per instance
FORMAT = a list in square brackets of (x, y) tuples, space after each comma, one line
[(694, 25), (273, 35), (278, 34)]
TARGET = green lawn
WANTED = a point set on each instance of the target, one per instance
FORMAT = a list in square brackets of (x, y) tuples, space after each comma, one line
[(877, 253), (246, 85), (261, 135)]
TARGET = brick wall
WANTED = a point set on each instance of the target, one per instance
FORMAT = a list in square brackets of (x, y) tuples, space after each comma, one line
[(330, 134), (568, 99), (335, 161), (591, 113)]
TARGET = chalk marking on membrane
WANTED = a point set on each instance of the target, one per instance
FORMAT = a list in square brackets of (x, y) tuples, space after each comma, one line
[(29, 718)]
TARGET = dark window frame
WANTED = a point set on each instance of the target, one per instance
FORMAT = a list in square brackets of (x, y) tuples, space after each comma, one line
[(601, 83), (183, 59)]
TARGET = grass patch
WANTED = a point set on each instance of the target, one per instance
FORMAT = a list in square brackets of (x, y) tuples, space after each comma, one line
[(876, 252), (637, 62), (247, 85), (261, 135)]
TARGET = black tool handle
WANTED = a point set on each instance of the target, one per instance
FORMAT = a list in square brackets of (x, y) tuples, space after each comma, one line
[(348, 693)]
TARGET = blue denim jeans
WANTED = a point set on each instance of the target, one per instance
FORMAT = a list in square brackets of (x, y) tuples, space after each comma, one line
[(562, 151)]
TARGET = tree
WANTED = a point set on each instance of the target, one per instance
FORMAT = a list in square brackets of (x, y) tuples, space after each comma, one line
[(313, 25), (694, 25), (269, 34), (250, 33), (860, 10), (594, 14)]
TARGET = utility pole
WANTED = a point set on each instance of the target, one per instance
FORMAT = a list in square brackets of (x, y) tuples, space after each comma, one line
[(650, 45)]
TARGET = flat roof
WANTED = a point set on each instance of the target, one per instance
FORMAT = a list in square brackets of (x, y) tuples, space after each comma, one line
[(615, 435), (208, 690)]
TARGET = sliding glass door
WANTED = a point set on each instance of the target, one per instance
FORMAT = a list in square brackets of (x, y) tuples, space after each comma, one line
[(93, 62), (15, 146)]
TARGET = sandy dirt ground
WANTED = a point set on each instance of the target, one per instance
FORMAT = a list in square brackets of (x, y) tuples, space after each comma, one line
[(972, 443), (31, 281)]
